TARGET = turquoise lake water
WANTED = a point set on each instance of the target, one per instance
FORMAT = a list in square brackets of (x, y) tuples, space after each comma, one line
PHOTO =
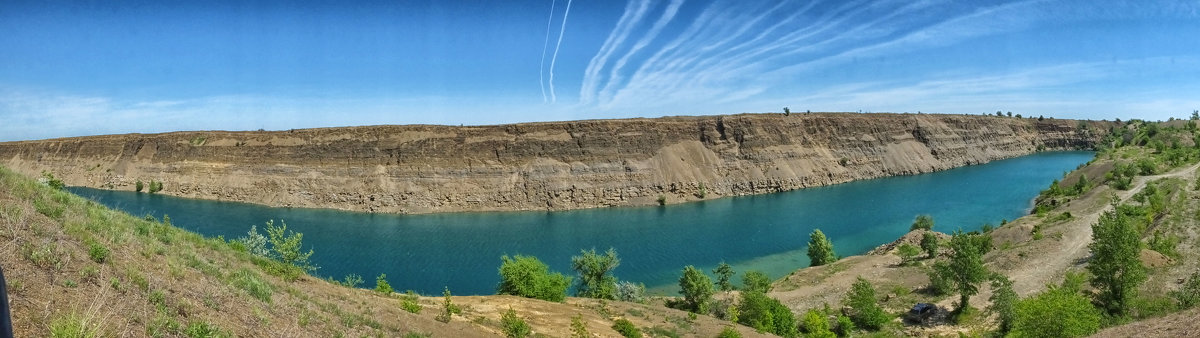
[(769, 233)]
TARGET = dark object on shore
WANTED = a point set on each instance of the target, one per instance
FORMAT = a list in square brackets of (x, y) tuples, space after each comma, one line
[(921, 313), (5, 317)]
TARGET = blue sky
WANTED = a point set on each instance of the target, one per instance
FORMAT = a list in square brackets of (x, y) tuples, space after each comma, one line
[(85, 68)]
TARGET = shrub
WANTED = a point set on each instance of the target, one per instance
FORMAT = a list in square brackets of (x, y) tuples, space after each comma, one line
[(286, 245), (696, 288), (724, 273), (815, 325), (865, 310), (255, 243), (595, 273), (382, 286), (408, 302), (1003, 300), (844, 326), (54, 183), (514, 326), (155, 186), (1115, 265), (626, 328), (729, 332), (98, 253), (629, 292), (448, 308), (1189, 295), (820, 249), (578, 327), (526, 276), (138, 186), (908, 253), (353, 280), (766, 314), (922, 222), (662, 200), (1057, 312), (930, 243), (756, 281)]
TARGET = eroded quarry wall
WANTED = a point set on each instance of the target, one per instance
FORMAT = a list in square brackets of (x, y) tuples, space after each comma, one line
[(541, 166)]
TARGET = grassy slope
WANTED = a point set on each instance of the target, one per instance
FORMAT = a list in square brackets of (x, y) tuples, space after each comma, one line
[(159, 280)]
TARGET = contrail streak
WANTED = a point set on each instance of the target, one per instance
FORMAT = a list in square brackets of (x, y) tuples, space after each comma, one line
[(553, 59), (545, 45)]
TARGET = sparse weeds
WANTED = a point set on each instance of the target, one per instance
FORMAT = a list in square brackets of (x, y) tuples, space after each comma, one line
[(253, 284), (74, 326)]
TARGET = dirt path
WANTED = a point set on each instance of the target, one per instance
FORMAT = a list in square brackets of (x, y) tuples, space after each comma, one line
[(1033, 274)]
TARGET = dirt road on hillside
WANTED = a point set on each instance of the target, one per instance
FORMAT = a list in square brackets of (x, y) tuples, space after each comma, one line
[(1033, 274)]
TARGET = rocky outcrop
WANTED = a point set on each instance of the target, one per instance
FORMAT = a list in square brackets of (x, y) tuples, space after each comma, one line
[(541, 166)]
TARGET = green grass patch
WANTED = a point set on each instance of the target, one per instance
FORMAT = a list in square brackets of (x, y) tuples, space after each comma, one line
[(253, 284)]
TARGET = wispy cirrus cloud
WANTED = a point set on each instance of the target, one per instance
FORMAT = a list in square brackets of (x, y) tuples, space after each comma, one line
[(745, 51)]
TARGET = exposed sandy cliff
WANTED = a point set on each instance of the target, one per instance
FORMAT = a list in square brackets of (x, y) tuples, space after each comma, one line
[(540, 166)]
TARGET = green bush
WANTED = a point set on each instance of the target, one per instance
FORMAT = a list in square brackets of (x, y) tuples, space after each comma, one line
[(729, 332), (908, 253), (696, 288), (922, 222), (155, 186), (630, 292), (626, 328), (514, 326), (138, 186), (98, 253), (595, 274), (766, 314), (54, 183), (526, 276), (724, 274), (448, 308), (286, 246), (1115, 264), (844, 326), (382, 286), (930, 243), (820, 249), (409, 303), (1188, 296), (579, 328), (865, 310), (815, 325), (352, 280), (756, 281), (1057, 312)]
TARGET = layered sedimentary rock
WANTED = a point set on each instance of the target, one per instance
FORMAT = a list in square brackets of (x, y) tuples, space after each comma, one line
[(541, 166)]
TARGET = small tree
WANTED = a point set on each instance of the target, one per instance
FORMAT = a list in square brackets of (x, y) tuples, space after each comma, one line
[(922, 222), (382, 286), (1004, 301), (448, 307), (908, 253), (1115, 265), (815, 325), (631, 292), (595, 274), (528, 277), (766, 314), (966, 266), (929, 244), (1188, 296), (696, 288), (939, 278), (286, 245), (724, 273), (756, 281), (514, 326), (820, 249), (866, 312)]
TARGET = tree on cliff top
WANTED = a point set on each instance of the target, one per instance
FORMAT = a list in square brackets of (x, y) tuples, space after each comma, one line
[(922, 222), (526, 276)]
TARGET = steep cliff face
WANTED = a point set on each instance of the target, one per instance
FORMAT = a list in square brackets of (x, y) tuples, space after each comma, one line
[(541, 166)]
